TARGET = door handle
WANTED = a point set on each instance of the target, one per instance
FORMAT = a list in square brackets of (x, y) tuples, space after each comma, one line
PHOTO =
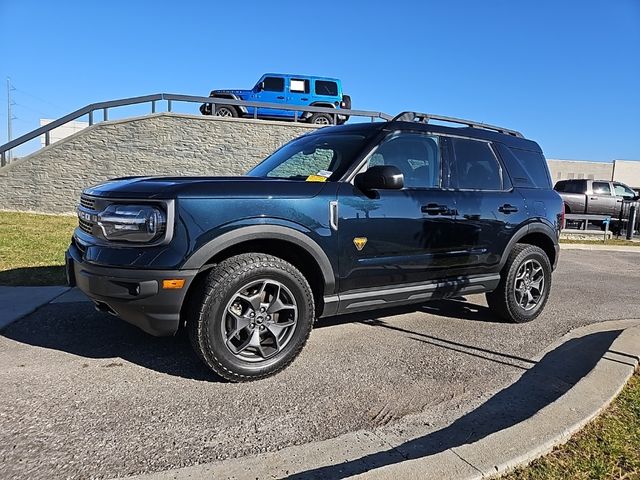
[(506, 208), (304, 99), (435, 209), (280, 97), (593, 198)]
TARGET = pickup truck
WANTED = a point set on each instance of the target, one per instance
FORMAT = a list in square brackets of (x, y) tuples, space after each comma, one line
[(594, 197)]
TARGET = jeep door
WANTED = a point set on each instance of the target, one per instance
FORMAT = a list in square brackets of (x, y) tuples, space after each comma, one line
[(489, 209), (298, 92), (271, 89), (395, 237)]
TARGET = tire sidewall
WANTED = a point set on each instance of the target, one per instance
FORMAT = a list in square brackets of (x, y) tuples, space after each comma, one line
[(518, 313), (214, 313)]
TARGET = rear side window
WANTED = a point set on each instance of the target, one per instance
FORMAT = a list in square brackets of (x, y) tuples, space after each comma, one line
[(324, 87), (601, 188), (273, 84), (575, 186), (475, 167), (299, 86)]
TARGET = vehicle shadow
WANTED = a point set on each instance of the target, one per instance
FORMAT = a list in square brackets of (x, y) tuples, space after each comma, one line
[(78, 329), (550, 378)]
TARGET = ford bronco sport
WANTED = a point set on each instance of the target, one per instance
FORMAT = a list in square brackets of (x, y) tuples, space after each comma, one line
[(344, 219), (293, 90)]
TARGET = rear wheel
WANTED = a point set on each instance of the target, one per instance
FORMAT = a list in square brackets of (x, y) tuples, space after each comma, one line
[(321, 119), (252, 317), (524, 286)]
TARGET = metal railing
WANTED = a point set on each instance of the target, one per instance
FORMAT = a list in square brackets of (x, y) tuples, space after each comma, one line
[(89, 110)]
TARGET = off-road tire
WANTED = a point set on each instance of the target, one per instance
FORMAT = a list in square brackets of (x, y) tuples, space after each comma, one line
[(207, 311), (502, 300), (321, 119), (232, 112)]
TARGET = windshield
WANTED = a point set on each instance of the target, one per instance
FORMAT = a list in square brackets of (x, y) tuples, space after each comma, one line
[(317, 157)]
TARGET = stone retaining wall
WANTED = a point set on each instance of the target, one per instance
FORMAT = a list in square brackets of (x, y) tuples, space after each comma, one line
[(51, 179)]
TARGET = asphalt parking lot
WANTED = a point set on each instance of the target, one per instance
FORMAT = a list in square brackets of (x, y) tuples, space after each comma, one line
[(83, 394)]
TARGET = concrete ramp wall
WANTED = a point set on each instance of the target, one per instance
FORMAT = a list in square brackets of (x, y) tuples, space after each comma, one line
[(51, 179)]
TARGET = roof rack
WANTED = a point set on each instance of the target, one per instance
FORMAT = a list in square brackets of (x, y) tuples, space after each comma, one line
[(426, 117)]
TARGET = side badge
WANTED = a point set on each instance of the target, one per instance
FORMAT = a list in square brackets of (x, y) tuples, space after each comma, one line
[(360, 242)]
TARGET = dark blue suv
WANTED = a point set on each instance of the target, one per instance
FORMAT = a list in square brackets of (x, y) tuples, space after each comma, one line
[(344, 219), (292, 90)]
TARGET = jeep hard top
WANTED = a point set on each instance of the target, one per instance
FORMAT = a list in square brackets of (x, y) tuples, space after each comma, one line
[(292, 90), (344, 219)]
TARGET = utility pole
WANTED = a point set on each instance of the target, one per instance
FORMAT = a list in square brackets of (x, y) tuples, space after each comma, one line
[(10, 116)]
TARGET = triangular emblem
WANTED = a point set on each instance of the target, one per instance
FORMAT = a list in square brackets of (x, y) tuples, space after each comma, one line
[(360, 242)]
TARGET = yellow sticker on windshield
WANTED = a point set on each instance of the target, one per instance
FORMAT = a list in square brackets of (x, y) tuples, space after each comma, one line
[(316, 178)]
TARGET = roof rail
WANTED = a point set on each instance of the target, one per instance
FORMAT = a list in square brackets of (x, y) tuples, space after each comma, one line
[(426, 117)]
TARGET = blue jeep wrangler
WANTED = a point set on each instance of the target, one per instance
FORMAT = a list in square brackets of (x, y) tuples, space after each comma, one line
[(287, 89), (344, 219)]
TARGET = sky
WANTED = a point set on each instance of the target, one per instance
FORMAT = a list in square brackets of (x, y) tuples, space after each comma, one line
[(565, 73)]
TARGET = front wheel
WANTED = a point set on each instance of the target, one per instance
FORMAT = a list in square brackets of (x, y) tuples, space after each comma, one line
[(524, 286), (226, 111), (254, 314)]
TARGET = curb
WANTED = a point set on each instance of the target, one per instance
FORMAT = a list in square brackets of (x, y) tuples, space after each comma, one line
[(379, 454), (601, 248)]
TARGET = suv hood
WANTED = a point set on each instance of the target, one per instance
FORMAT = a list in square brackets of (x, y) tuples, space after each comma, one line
[(233, 92), (204, 187)]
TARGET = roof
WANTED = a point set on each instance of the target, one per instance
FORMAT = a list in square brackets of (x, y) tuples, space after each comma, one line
[(470, 132)]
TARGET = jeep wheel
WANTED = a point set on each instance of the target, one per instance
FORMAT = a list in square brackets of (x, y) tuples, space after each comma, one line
[(321, 119), (226, 111), (252, 317), (524, 285)]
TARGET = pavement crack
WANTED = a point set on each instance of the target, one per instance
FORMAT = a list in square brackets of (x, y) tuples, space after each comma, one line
[(466, 461)]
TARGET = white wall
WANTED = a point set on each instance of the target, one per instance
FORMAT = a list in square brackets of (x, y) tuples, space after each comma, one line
[(61, 132)]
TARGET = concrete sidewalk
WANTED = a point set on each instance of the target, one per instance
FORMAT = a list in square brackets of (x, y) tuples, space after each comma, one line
[(18, 302), (600, 247), (571, 383)]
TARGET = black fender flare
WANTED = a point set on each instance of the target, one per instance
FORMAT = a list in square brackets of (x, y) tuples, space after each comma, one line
[(198, 259), (526, 230), (230, 96)]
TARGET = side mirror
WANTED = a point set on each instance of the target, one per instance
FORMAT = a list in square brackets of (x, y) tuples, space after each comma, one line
[(261, 86), (380, 177)]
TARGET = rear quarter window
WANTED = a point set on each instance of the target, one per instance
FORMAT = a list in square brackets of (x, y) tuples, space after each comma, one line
[(326, 88), (527, 168)]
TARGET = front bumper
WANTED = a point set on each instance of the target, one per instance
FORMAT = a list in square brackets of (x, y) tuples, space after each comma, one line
[(134, 295)]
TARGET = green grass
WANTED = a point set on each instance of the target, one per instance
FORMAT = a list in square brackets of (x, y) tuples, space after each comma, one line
[(32, 248), (613, 241), (607, 448)]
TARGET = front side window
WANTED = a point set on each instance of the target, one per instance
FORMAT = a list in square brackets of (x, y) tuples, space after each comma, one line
[(319, 155), (475, 167), (273, 84), (623, 191), (324, 87), (601, 188), (417, 156)]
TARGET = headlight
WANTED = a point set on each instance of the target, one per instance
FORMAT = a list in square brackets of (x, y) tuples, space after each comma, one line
[(132, 223)]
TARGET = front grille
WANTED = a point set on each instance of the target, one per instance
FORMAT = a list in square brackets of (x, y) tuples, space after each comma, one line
[(87, 202), (85, 226)]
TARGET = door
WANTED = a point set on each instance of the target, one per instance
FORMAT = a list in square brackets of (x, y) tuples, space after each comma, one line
[(298, 93), (398, 237), (271, 90), (601, 200), (489, 209)]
